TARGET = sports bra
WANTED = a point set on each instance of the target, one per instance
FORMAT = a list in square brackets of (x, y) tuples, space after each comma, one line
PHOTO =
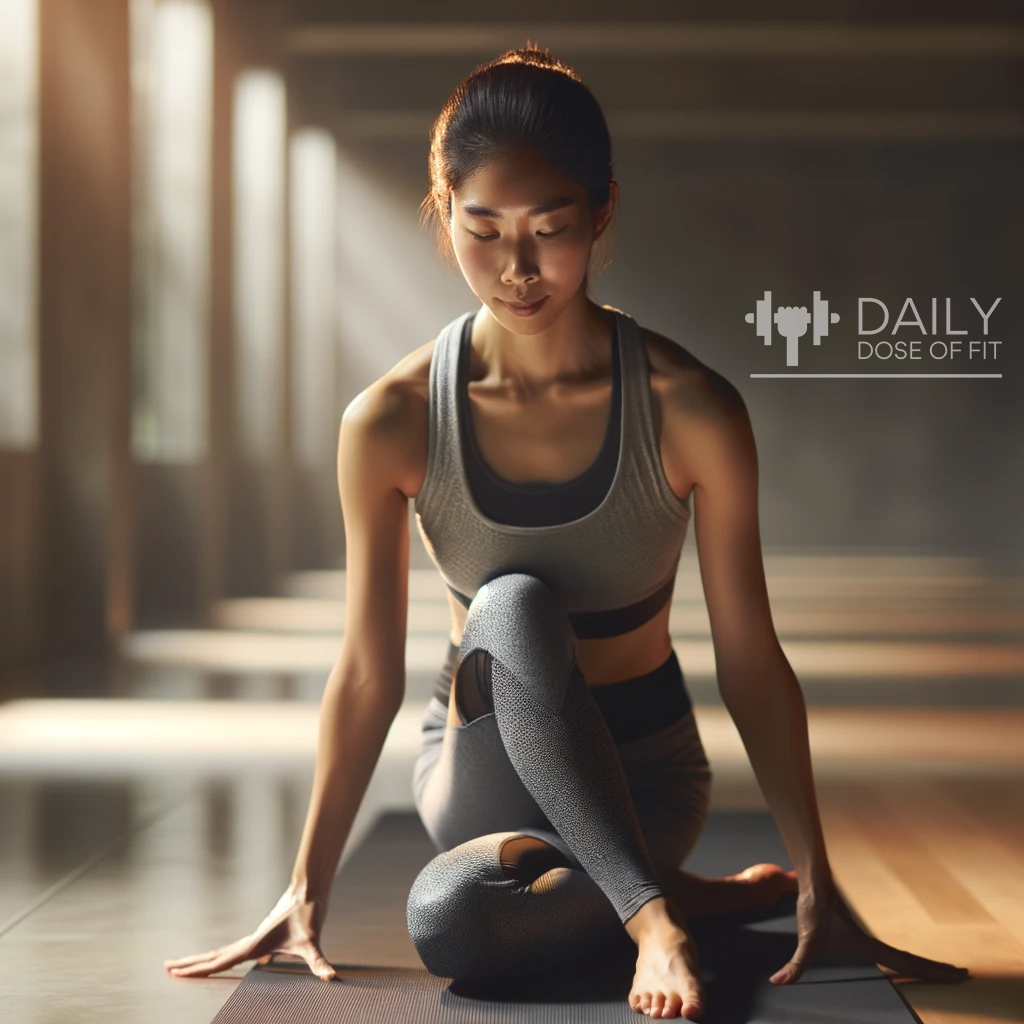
[(614, 562), (537, 504)]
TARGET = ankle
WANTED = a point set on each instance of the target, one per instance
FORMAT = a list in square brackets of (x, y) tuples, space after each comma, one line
[(658, 918)]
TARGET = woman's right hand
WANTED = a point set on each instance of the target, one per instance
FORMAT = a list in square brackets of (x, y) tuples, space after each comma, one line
[(293, 926)]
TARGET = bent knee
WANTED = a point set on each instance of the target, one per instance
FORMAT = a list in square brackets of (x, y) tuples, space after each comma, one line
[(449, 913), (518, 617)]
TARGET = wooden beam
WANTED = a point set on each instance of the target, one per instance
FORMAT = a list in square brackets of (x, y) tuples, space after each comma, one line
[(724, 125), (659, 39)]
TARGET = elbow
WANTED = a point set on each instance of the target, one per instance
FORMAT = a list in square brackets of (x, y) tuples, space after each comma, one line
[(382, 685), (753, 679)]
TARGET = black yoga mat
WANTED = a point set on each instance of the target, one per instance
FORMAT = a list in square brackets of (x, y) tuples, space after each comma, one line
[(383, 980)]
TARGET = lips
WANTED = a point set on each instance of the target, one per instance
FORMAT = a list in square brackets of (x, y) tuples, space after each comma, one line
[(524, 308)]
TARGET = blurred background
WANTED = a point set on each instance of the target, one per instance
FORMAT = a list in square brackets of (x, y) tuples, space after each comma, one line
[(209, 244)]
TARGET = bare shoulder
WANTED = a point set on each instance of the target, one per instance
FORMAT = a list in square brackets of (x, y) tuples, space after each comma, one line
[(697, 410), (390, 418), (685, 380)]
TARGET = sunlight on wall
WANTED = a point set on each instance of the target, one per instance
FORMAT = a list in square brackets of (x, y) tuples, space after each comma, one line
[(258, 180), (19, 340), (172, 82), (393, 295), (313, 260)]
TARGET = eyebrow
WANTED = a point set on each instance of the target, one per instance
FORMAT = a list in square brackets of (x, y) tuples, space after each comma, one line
[(554, 204)]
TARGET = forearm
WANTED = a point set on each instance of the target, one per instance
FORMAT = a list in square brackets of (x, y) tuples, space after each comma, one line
[(353, 725), (771, 717)]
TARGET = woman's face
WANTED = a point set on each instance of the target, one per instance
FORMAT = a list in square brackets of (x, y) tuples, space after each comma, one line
[(522, 233)]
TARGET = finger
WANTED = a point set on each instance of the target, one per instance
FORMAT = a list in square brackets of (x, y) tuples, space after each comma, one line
[(265, 959), (219, 961), (318, 963), (788, 973), (807, 945), (194, 958), (207, 967)]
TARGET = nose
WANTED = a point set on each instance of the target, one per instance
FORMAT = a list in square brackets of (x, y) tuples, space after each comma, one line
[(521, 267)]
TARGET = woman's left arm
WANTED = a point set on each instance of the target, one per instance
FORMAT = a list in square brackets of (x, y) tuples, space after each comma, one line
[(757, 684), (708, 430)]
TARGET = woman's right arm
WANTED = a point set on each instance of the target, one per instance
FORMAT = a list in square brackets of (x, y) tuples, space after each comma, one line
[(367, 685), (364, 689)]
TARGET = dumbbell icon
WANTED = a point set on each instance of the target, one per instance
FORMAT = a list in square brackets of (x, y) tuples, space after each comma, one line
[(792, 322)]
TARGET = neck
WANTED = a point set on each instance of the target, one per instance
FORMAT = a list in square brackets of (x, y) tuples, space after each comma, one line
[(574, 347)]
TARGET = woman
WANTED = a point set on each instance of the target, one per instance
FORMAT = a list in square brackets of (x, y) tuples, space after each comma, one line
[(561, 776)]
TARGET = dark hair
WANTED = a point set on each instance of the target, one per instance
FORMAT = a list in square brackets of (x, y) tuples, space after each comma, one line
[(525, 97)]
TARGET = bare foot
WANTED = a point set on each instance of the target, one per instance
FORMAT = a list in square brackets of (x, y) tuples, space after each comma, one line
[(667, 978), (758, 886)]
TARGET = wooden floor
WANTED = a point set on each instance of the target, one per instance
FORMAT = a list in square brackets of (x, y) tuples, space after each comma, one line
[(935, 865), (165, 822)]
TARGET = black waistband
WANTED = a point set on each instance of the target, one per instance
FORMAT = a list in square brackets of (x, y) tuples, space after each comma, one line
[(633, 708), (615, 621)]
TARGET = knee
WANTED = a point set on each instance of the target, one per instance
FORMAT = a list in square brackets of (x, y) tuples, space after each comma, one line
[(517, 616), (429, 915), (448, 923)]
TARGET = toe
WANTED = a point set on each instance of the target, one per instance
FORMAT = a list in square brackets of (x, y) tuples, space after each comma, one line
[(693, 1006), (640, 1001)]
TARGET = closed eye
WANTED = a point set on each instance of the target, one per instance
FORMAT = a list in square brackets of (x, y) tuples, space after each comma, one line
[(542, 234)]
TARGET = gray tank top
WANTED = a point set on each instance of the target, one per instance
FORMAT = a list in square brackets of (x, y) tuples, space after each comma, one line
[(615, 566)]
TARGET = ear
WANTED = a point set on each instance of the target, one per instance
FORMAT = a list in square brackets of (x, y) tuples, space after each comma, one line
[(603, 216)]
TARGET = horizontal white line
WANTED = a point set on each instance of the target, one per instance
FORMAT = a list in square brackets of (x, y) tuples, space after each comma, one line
[(671, 38), (889, 376)]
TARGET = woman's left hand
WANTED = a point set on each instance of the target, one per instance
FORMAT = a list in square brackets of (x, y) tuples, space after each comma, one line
[(826, 926)]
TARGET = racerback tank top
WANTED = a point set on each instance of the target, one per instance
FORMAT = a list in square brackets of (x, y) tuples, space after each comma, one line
[(614, 567)]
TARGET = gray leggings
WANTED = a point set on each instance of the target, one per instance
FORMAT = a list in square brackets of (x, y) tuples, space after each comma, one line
[(544, 764)]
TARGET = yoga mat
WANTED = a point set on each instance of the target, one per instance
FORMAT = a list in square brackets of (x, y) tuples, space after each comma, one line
[(383, 980)]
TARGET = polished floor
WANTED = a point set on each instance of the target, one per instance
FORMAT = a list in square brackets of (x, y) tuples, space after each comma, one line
[(165, 821)]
